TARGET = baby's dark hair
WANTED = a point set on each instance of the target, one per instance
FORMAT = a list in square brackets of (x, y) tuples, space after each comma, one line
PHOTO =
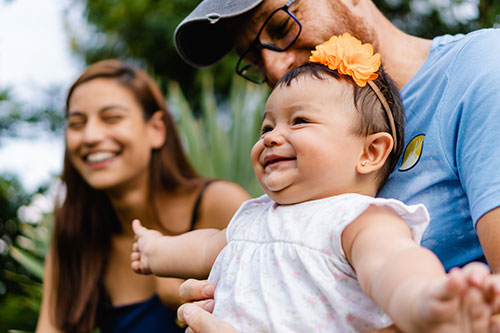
[(365, 102)]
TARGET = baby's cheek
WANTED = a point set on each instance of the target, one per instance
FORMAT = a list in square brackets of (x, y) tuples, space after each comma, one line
[(255, 154)]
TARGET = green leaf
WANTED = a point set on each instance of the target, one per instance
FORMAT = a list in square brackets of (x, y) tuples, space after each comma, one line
[(32, 263)]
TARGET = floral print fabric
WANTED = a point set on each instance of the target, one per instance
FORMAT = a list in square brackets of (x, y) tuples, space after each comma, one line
[(284, 269)]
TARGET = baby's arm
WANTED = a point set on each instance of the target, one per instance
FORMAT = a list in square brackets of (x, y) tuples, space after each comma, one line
[(409, 282), (188, 255)]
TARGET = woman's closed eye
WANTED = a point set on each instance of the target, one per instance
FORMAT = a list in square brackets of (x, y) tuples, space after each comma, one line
[(112, 116), (112, 119), (76, 122)]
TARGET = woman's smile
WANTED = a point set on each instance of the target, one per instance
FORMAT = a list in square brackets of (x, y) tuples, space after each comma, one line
[(100, 159)]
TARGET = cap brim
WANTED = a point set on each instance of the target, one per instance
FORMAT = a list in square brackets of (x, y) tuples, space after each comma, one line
[(201, 39)]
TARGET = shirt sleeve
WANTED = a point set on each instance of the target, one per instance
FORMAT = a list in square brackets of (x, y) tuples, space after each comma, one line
[(415, 216), (475, 85)]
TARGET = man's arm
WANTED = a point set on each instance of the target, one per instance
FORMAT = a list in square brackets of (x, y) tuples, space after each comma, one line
[(488, 231), (188, 255)]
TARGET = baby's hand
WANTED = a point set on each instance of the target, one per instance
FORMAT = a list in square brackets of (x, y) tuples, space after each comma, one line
[(482, 297), (462, 302), (143, 247)]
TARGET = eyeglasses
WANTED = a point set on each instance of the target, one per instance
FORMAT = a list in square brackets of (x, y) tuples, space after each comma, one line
[(278, 33)]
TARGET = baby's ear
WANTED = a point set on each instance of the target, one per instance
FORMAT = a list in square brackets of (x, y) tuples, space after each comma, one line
[(377, 148)]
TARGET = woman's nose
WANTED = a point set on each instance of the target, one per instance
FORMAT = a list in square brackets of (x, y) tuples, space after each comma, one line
[(93, 132), (276, 64)]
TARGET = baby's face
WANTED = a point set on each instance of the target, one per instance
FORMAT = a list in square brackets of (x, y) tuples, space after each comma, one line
[(307, 150)]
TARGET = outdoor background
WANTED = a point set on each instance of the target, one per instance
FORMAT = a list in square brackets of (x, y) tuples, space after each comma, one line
[(44, 45)]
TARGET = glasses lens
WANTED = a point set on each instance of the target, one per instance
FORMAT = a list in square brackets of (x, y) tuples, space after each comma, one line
[(247, 67), (250, 72), (281, 30)]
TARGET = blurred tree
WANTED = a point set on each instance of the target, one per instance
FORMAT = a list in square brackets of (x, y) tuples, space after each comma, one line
[(143, 30), (18, 119), (19, 291), (429, 18)]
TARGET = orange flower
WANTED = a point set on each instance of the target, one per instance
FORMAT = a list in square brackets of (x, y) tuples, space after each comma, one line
[(348, 56)]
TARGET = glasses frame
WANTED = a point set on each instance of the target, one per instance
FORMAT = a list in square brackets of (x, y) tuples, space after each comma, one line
[(258, 43)]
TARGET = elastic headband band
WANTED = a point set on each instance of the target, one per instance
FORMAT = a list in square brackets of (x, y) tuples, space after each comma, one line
[(387, 110)]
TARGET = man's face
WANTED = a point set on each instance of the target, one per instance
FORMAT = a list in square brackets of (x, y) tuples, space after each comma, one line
[(320, 19)]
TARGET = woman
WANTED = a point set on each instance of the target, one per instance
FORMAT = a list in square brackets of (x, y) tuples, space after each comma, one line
[(123, 160)]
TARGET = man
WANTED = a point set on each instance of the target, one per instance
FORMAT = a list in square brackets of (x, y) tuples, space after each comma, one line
[(449, 86)]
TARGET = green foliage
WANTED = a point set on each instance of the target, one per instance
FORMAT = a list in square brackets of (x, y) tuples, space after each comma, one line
[(28, 249), (143, 30), (19, 290), (428, 19), (32, 245), (220, 141), (18, 119)]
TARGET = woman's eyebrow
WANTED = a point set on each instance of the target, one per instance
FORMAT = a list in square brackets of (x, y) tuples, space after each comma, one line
[(75, 113), (109, 107)]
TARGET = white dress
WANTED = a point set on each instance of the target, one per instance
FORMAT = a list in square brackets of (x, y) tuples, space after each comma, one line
[(284, 269)]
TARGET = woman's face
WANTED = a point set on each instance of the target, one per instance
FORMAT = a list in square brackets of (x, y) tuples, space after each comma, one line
[(108, 140)]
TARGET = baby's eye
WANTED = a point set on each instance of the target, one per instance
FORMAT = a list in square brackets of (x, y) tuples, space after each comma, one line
[(266, 129), (300, 120)]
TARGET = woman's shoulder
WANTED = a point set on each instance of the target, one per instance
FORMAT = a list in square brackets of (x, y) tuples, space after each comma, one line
[(223, 189), (220, 200)]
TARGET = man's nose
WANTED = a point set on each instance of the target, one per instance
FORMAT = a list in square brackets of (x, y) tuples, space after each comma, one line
[(276, 64)]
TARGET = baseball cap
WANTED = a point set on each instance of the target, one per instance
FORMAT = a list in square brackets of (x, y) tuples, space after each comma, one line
[(201, 38)]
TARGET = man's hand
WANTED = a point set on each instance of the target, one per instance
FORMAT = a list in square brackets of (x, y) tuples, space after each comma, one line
[(197, 314), (201, 321)]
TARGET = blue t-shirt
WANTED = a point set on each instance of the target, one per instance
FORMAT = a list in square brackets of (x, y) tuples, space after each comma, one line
[(451, 161)]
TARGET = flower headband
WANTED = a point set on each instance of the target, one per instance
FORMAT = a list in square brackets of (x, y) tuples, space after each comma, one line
[(348, 56)]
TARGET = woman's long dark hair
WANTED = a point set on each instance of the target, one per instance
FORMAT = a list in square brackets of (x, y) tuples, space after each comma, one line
[(86, 220)]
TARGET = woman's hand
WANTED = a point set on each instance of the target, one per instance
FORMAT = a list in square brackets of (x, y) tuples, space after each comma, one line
[(198, 313)]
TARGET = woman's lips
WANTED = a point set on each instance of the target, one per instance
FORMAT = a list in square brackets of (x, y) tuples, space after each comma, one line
[(100, 159)]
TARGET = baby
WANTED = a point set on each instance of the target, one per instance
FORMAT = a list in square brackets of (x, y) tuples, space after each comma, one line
[(318, 252)]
